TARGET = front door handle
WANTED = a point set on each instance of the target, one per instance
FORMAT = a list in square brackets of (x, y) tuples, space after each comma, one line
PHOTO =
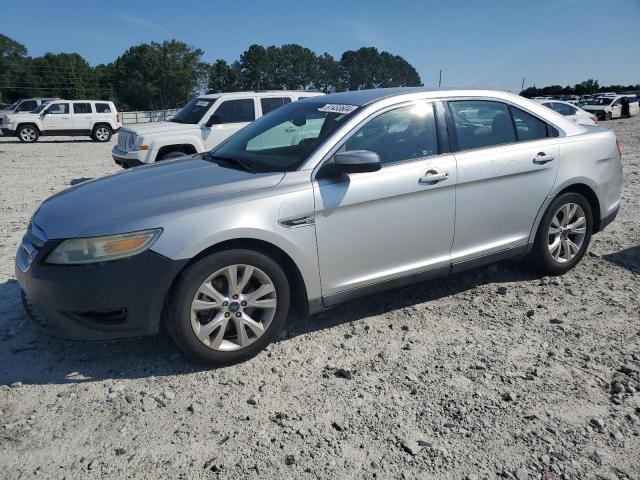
[(432, 177), (543, 158)]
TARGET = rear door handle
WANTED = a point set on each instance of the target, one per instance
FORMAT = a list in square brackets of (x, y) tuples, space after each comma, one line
[(432, 177), (543, 158)]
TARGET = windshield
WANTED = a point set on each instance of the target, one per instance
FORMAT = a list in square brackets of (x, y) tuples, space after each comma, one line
[(13, 105), (599, 101), (39, 108), (193, 111), (283, 139)]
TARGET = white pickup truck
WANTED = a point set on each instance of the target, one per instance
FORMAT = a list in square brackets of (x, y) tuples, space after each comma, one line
[(199, 126)]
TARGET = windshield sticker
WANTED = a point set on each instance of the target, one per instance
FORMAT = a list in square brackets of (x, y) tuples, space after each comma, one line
[(337, 108), (202, 103)]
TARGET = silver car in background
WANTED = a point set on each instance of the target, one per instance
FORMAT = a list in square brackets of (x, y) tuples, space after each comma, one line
[(390, 187)]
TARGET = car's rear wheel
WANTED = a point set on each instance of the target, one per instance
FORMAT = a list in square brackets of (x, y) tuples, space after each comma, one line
[(228, 306), (563, 235), (28, 133), (101, 133)]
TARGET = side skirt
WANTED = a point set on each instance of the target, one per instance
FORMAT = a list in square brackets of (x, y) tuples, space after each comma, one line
[(65, 133), (317, 305)]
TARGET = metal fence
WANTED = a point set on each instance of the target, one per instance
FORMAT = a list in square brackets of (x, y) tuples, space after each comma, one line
[(146, 117)]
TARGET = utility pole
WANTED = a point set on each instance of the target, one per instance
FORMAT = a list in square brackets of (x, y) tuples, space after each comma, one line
[(522, 88), (440, 79)]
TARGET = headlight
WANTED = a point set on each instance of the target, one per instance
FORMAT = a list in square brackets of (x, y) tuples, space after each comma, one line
[(78, 251)]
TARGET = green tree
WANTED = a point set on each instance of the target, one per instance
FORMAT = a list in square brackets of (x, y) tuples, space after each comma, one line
[(368, 68), (12, 63), (224, 77), (326, 74), (254, 68), (158, 75)]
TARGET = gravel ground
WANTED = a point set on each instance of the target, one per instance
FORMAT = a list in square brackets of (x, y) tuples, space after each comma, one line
[(494, 372)]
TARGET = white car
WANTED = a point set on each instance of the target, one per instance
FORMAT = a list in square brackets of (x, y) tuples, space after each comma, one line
[(24, 105), (97, 119), (570, 111), (202, 124), (608, 107)]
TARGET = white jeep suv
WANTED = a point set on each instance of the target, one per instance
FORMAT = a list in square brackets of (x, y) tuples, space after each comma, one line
[(199, 126), (97, 119)]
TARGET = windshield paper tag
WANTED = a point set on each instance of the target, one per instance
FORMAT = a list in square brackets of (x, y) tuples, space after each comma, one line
[(337, 108), (202, 103)]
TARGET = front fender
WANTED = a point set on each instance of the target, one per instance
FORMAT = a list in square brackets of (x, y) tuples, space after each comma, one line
[(255, 218)]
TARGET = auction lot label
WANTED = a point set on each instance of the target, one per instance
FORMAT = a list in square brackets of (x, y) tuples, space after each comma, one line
[(337, 108)]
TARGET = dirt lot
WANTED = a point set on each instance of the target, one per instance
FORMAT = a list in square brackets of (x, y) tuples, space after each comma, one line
[(490, 373)]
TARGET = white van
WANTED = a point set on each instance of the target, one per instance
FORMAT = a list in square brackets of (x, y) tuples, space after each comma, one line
[(199, 126)]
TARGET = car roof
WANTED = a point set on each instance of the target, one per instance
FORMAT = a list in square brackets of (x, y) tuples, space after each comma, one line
[(261, 93), (361, 98)]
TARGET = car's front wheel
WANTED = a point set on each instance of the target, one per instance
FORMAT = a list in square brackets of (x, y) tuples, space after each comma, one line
[(228, 306), (28, 134), (563, 235)]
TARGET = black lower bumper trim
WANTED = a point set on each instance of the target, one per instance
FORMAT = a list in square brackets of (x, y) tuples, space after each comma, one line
[(111, 300), (127, 162)]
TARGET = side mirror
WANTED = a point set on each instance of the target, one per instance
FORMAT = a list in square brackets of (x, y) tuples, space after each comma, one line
[(213, 120), (354, 161)]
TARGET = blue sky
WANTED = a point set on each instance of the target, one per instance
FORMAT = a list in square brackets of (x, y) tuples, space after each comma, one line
[(483, 43)]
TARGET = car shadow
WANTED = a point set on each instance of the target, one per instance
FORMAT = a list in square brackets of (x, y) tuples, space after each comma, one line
[(29, 356), (7, 140), (77, 181), (628, 258)]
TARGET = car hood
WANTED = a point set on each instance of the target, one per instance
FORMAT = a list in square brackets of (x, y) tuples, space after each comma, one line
[(143, 195), (159, 127)]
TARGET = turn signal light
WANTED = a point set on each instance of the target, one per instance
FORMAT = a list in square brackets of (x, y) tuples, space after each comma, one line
[(143, 147), (123, 245), (619, 149)]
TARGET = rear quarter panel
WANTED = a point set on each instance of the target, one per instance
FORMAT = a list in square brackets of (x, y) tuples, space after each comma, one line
[(592, 158)]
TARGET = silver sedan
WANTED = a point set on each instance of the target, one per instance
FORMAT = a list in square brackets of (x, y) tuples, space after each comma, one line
[(318, 202)]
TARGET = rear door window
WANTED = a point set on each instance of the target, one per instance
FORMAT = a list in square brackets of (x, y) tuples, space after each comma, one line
[(528, 127), (103, 108), (236, 111), (270, 104), (482, 123), (81, 107)]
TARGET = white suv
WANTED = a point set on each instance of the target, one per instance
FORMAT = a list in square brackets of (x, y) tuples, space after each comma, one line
[(199, 126), (95, 118)]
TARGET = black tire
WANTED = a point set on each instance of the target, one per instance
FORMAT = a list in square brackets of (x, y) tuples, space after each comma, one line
[(170, 155), (28, 133), (177, 316), (540, 257), (101, 133)]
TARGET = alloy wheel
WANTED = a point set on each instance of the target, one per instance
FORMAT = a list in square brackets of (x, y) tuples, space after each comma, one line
[(567, 232), (28, 134), (233, 307), (102, 134)]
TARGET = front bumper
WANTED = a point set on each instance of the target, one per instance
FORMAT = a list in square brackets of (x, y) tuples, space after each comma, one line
[(105, 301), (8, 132), (128, 159)]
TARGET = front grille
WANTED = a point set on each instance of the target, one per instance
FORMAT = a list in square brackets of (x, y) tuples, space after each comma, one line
[(123, 139)]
